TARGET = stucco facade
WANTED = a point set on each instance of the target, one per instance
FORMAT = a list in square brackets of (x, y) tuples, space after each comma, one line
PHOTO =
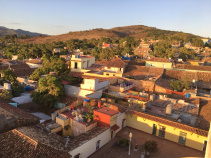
[(90, 146), (191, 139), (79, 63), (167, 65)]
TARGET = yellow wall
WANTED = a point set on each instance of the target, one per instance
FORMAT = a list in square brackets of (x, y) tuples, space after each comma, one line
[(81, 63), (158, 64), (115, 69), (112, 74), (192, 140), (65, 123), (56, 129)]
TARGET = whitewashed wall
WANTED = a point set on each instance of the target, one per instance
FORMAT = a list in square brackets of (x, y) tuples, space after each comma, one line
[(120, 118), (89, 147)]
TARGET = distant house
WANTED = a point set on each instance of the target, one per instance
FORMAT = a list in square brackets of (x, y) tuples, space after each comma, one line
[(57, 50), (81, 62), (158, 62), (116, 65), (34, 63), (144, 45), (176, 45), (67, 57), (106, 45), (14, 57), (206, 40), (142, 52)]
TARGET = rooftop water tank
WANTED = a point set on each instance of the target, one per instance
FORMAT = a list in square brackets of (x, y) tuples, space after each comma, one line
[(7, 86), (187, 95), (169, 109), (53, 116)]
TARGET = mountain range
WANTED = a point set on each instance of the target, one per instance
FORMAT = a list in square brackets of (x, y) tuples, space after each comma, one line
[(7, 31), (136, 31)]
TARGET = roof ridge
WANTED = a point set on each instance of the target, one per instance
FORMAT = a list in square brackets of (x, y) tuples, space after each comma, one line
[(194, 128), (27, 138)]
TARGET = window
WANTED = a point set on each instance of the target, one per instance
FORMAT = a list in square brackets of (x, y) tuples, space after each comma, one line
[(76, 65), (77, 156), (205, 145), (112, 134), (182, 138), (113, 74), (107, 74), (98, 145), (161, 132)]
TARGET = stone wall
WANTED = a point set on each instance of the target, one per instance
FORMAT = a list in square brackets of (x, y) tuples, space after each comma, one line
[(178, 74), (141, 85), (77, 128)]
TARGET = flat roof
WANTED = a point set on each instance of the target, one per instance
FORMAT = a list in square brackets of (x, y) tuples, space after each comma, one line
[(107, 111)]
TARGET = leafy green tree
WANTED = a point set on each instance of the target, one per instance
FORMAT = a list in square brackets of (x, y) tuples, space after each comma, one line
[(50, 89), (9, 76), (89, 115), (180, 84), (17, 89), (176, 85), (54, 64), (5, 95)]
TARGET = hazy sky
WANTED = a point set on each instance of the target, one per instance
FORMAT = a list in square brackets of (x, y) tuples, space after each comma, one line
[(62, 16)]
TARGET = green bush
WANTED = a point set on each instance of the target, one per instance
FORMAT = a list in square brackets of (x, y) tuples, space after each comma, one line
[(5, 95), (123, 142), (17, 90), (150, 146)]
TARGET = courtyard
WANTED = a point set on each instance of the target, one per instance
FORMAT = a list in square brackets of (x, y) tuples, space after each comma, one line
[(166, 148)]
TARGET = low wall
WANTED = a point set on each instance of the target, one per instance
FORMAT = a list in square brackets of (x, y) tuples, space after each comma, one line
[(89, 147), (76, 91), (96, 94), (141, 85)]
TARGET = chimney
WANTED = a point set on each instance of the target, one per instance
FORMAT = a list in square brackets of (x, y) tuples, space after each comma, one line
[(99, 104), (208, 148)]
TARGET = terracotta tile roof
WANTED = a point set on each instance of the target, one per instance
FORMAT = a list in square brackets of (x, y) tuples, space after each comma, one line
[(170, 123), (177, 74), (204, 118), (193, 67), (101, 62), (20, 69), (142, 72), (114, 127), (18, 145), (117, 62), (164, 83), (12, 117), (96, 67), (107, 111), (35, 61), (75, 74), (156, 59)]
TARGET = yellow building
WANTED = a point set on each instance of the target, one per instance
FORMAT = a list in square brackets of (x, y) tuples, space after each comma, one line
[(173, 131), (80, 62), (158, 62)]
